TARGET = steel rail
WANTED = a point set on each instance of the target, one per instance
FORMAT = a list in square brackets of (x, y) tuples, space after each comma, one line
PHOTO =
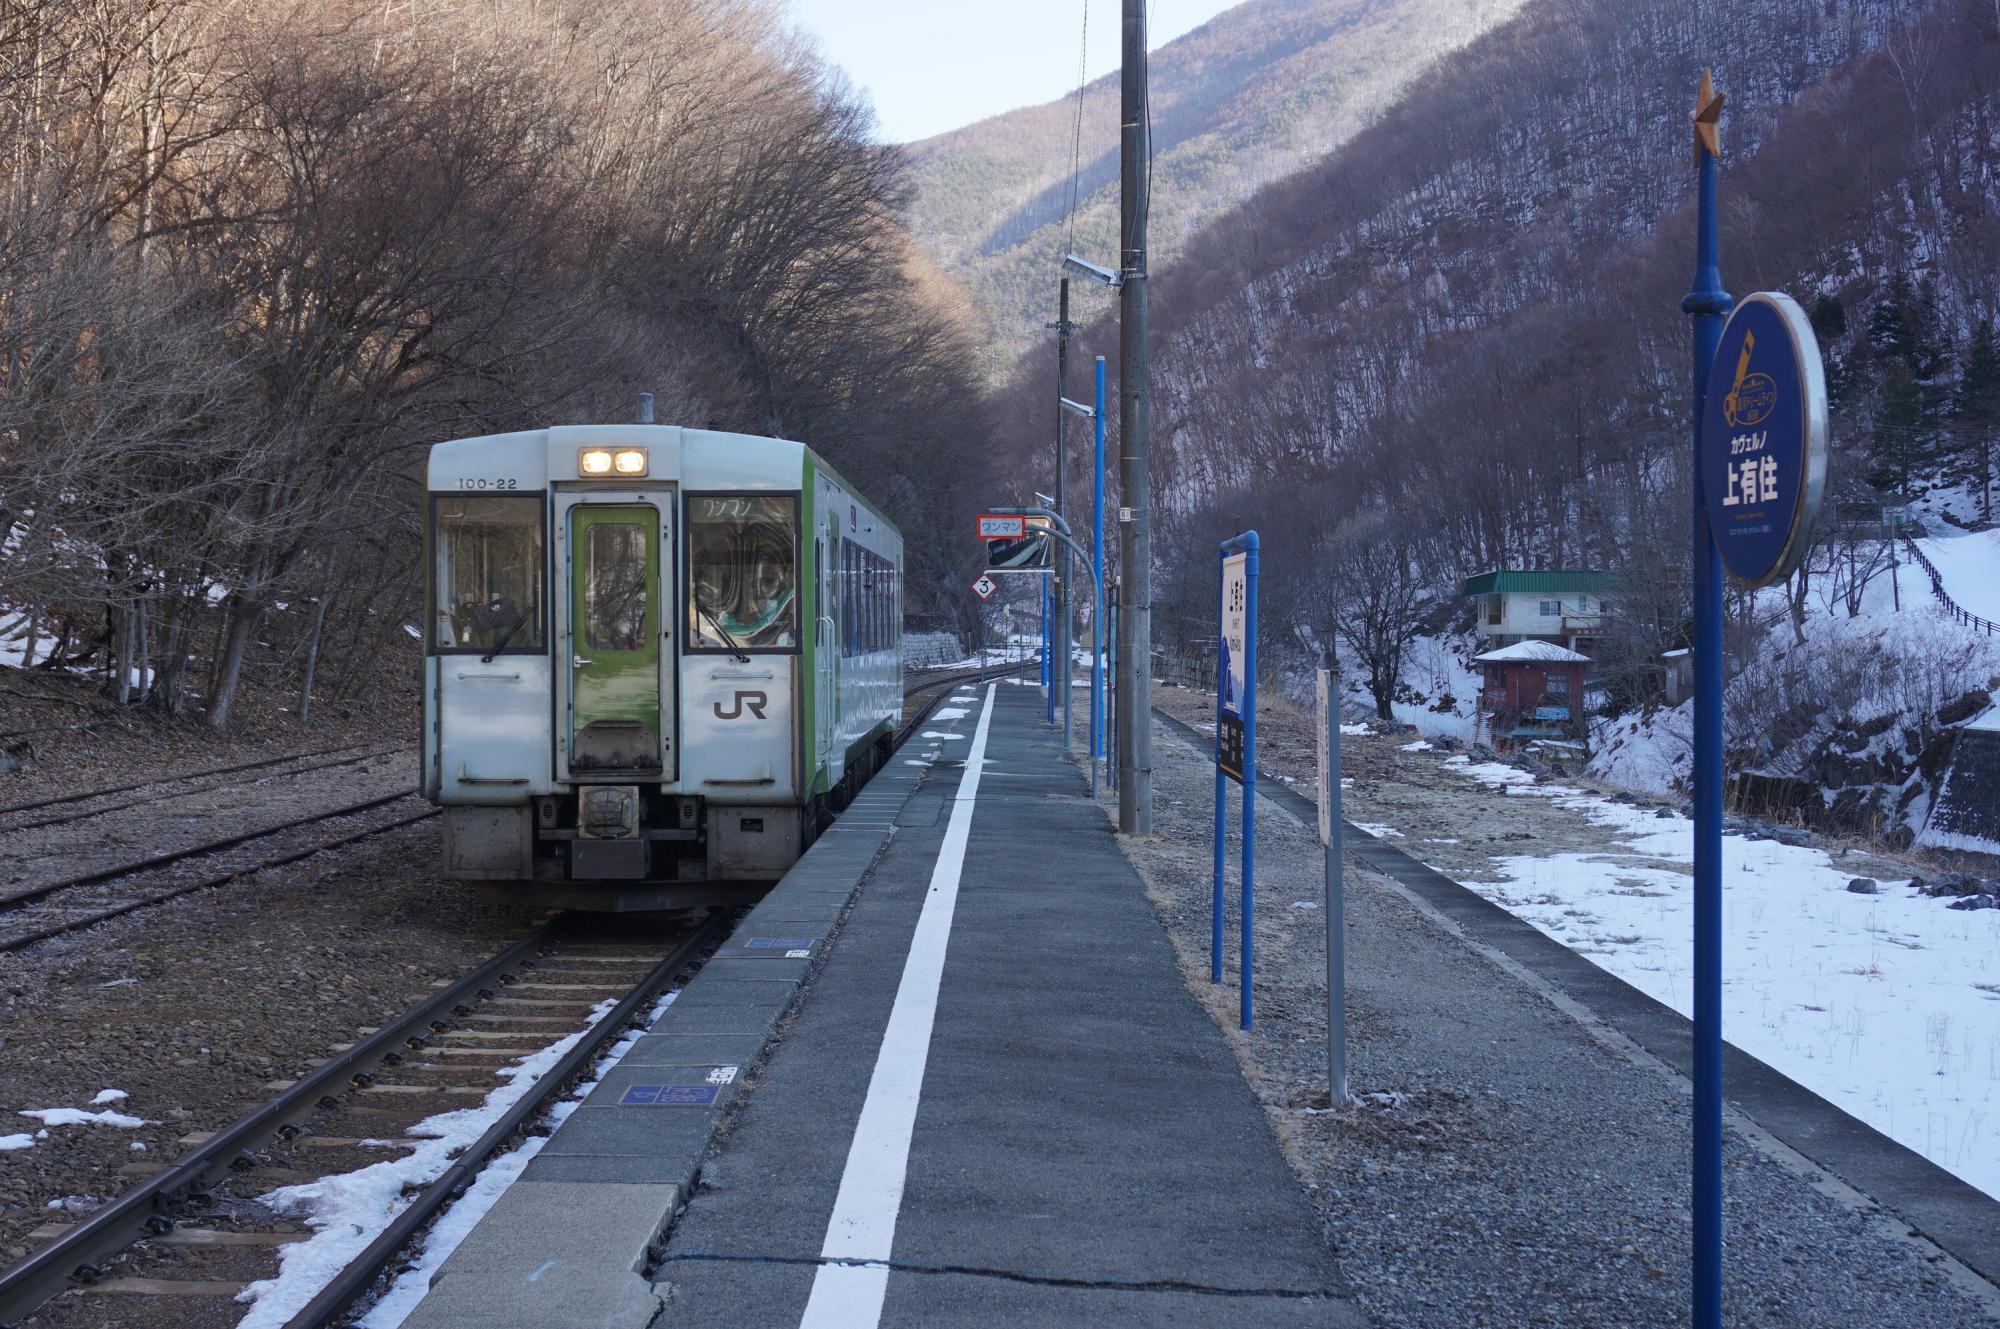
[(84, 815), (186, 888), (358, 1276), (150, 1207), (98, 878), (944, 686), (175, 779)]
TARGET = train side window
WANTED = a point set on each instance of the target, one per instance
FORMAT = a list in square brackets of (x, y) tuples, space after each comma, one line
[(615, 587), (487, 573), (850, 601), (742, 571)]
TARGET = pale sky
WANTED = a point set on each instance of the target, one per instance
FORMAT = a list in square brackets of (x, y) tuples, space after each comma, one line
[(933, 65)]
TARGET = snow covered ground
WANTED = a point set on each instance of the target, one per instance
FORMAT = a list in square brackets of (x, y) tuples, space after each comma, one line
[(1886, 1005), (1435, 668), (1883, 660), (1970, 566)]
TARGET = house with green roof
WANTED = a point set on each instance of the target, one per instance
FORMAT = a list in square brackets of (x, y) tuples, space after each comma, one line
[(1567, 606)]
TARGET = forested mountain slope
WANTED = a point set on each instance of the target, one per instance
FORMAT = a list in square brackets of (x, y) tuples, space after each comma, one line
[(1469, 313), (255, 257), (1237, 103), (1456, 343)]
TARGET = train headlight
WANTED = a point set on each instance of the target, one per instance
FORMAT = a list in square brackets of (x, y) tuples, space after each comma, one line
[(629, 461), (594, 461)]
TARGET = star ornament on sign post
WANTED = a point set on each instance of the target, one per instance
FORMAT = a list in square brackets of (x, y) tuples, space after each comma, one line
[(1764, 439), (1707, 119)]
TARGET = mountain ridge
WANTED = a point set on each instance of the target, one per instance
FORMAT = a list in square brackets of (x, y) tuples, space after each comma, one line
[(1240, 101)]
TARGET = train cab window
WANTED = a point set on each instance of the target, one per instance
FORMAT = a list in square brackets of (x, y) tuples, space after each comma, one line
[(743, 572), (488, 573), (615, 579)]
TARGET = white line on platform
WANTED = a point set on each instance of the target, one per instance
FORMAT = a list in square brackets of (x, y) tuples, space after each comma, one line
[(863, 1226)]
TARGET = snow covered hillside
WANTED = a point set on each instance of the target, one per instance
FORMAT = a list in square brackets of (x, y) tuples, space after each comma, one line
[(1851, 704), (1884, 1004)]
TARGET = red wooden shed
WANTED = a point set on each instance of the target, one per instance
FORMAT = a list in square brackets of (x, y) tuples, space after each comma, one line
[(1532, 689)]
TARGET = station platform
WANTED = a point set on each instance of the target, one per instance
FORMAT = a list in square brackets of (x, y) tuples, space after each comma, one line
[(947, 1073)]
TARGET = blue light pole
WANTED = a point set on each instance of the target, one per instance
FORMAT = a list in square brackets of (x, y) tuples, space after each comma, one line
[(1048, 665), (1707, 303), (1097, 572)]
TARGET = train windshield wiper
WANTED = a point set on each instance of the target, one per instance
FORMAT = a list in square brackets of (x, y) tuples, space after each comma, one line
[(715, 621), (505, 638)]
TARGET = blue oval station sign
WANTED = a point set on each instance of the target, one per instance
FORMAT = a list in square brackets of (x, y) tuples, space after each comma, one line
[(1764, 439)]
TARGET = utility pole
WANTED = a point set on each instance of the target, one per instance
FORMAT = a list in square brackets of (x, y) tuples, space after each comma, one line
[(1060, 682), (1135, 471)]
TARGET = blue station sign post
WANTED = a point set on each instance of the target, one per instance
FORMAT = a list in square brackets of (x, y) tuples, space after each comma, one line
[(1759, 445), (1236, 744)]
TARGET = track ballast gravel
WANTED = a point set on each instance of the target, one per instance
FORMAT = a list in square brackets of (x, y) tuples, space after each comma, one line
[(1509, 1167)]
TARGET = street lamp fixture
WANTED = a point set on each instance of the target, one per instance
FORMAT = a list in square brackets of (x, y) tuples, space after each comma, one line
[(1071, 263)]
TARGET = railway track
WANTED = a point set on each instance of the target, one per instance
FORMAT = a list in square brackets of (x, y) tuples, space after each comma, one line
[(16, 818), (49, 909), (941, 684), (194, 1232), (39, 912), (196, 780), (199, 1229)]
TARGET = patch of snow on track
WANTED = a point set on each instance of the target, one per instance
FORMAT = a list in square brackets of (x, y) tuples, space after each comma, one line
[(68, 1116), (456, 1223), (350, 1209)]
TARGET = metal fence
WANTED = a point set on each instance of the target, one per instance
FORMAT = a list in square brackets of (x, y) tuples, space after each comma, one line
[(1188, 668), (1952, 608)]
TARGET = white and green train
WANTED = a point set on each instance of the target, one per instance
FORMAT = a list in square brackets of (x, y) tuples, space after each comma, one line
[(658, 660)]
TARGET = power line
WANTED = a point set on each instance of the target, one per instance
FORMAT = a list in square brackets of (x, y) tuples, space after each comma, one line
[(1076, 130), (1146, 62)]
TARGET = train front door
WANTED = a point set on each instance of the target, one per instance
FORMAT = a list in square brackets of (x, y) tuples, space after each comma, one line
[(617, 640)]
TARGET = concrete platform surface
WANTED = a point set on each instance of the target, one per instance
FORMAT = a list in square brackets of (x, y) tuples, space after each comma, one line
[(1081, 1147), (994, 1101)]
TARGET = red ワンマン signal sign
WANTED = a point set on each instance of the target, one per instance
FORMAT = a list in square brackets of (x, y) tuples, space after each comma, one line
[(993, 526)]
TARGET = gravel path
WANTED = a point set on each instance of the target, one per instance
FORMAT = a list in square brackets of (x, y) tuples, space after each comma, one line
[(1512, 1166), (190, 1007)]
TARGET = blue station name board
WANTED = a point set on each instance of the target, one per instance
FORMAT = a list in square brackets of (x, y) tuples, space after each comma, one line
[(1764, 439)]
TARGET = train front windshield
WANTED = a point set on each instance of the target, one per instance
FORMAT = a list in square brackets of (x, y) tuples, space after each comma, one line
[(742, 572), (488, 574)]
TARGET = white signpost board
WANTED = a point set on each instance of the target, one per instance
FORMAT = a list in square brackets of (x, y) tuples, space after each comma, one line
[(1327, 694), (1230, 675)]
